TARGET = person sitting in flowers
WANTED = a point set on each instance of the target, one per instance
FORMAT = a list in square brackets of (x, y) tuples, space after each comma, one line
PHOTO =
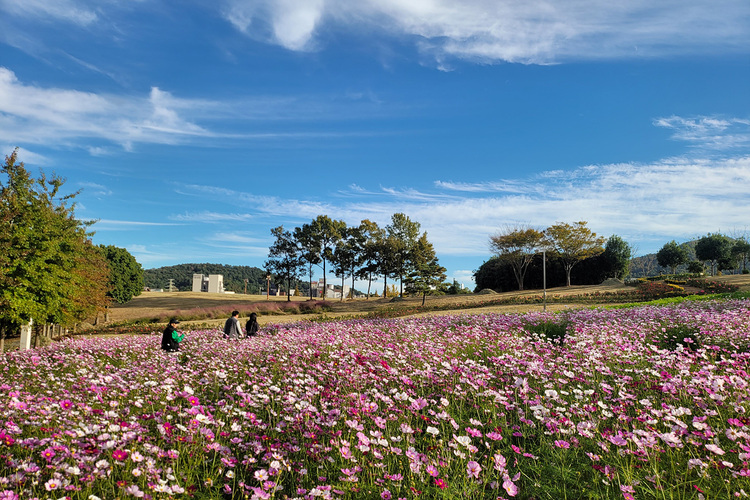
[(171, 338), (251, 327), (232, 328)]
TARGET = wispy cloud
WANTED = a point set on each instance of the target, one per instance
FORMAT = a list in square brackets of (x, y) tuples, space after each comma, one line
[(709, 132), (124, 225), (527, 31), (210, 217), (95, 189), (69, 11)]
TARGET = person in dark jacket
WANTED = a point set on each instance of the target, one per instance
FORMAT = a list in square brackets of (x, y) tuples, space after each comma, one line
[(232, 328), (171, 338), (251, 327)]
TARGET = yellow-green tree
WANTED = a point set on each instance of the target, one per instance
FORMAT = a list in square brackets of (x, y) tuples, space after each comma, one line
[(49, 270), (573, 243), (517, 245)]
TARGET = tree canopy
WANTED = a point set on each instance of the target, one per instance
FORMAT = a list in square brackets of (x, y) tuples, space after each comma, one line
[(125, 274), (573, 243), (517, 246), (50, 271), (672, 255)]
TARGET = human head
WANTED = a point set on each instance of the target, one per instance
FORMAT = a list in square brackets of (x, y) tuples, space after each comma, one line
[(253, 315), (235, 313), (174, 321)]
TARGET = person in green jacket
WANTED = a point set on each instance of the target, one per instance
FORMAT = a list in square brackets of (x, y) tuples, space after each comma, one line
[(171, 338)]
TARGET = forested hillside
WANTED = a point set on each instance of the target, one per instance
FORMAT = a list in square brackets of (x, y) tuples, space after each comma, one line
[(182, 274)]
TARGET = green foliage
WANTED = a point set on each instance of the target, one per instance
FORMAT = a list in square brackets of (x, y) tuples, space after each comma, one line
[(670, 337), (426, 276), (49, 270), (550, 330), (125, 274), (671, 255), (716, 250), (573, 243), (616, 258), (285, 258)]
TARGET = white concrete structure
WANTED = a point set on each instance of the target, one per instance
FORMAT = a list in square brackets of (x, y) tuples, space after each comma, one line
[(213, 283)]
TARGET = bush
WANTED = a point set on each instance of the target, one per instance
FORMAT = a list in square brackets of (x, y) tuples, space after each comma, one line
[(552, 331), (671, 337)]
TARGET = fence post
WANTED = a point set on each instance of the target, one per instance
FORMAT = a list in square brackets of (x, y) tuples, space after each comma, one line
[(26, 336)]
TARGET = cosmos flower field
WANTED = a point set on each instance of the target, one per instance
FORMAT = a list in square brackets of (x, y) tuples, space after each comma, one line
[(470, 406)]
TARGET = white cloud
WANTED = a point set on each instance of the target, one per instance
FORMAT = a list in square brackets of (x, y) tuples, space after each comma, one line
[(711, 133), (210, 217), (63, 10), (527, 31), (95, 189)]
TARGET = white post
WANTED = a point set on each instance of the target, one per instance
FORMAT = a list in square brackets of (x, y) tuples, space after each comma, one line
[(26, 331), (544, 277)]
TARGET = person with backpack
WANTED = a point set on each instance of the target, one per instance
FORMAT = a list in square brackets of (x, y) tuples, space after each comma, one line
[(251, 327), (171, 338), (232, 328)]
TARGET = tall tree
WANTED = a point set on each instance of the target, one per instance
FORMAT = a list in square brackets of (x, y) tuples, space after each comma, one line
[(426, 275), (714, 249), (327, 232), (741, 251), (372, 236), (285, 259), (403, 234), (310, 245), (672, 255), (345, 256), (50, 270), (616, 257), (573, 243), (125, 274), (517, 246)]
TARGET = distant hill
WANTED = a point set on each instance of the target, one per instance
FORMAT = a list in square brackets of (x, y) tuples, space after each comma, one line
[(182, 274)]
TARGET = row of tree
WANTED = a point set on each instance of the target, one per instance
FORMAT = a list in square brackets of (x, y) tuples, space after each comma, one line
[(49, 269), (717, 251), (397, 251), (516, 247), (239, 279)]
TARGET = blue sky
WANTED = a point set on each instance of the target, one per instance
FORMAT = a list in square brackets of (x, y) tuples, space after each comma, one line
[(194, 128)]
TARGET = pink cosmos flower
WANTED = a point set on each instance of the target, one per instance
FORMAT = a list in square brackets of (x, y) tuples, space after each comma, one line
[(66, 404), (510, 487), (8, 495), (440, 483), (473, 469), (560, 443), (120, 455), (386, 495), (194, 401), (432, 471)]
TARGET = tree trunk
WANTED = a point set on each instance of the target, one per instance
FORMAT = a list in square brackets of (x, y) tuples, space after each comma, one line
[(424, 296)]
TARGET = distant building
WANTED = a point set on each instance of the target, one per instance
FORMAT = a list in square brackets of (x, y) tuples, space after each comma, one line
[(332, 291), (213, 283)]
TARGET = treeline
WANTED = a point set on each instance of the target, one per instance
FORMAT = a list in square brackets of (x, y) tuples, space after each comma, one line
[(182, 274), (714, 252), (561, 254), (50, 272), (366, 251)]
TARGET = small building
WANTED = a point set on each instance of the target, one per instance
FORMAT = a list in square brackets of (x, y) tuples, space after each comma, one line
[(213, 283)]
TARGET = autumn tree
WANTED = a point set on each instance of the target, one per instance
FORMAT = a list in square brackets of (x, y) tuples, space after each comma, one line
[(285, 258), (672, 255), (517, 245), (345, 257), (50, 272), (573, 243)]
